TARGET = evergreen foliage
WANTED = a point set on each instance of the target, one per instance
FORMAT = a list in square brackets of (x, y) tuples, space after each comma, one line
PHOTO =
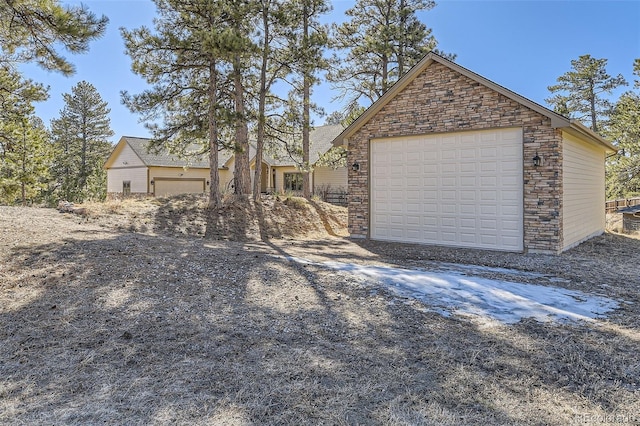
[(81, 140), (186, 58), (308, 40), (25, 154), (32, 30), (580, 93), (378, 45), (623, 169)]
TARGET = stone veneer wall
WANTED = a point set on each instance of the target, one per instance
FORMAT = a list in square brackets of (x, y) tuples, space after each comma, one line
[(442, 100)]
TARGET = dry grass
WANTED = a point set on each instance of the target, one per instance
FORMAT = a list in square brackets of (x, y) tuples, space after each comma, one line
[(99, 324)]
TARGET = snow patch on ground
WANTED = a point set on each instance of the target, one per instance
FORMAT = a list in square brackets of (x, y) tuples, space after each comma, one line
[(457, 292)]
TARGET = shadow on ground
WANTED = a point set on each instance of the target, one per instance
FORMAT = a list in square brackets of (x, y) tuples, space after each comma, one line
[(137, 329)]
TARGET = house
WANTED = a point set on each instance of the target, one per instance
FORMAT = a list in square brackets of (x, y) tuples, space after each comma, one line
[(280, 173), (448, 157), (134, 171)]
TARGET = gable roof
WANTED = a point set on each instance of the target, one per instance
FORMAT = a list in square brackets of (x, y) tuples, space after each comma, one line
[(321, 140), (557, 121), (162, 158)]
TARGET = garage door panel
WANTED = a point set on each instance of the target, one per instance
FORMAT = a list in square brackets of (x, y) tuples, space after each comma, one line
[(488, 210), (166, 187), (468, 209), (467, 238), (414, 208), (468, 223), (488, 240), (488, 169), (488, 152), (468, 153), (470, 181), (509, 211), (448, 209), (450, 168), (449, 237), (467, 195), (468, 168), (488, 196), (508, 166), (430, 156), (465, 190), (510, 225)]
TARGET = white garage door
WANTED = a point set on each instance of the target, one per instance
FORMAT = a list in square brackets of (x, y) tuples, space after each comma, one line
[(165, 187), (457, 189)]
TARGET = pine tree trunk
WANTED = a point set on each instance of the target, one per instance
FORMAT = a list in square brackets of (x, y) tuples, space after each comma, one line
[(24, 165), (306, 121), (214, 174), (402, 41), (262, 100), (592, 100), (242, 172)]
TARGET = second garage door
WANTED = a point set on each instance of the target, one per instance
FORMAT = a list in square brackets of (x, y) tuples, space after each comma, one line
[(461, 189), (165, 187)]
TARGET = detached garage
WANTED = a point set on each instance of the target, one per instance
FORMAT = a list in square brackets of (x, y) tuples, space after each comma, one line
[(450, 158)]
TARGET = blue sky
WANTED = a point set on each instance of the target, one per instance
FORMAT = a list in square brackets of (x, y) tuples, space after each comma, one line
[(522, 45)]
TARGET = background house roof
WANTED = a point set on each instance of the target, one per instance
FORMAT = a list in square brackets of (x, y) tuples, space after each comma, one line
[(320, 140), (164, 158)]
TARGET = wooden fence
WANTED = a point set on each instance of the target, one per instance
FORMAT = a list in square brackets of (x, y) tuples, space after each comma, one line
[(613, 206)]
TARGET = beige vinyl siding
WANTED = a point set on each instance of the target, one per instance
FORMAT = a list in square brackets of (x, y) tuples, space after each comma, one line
[(584, 192), (226, 176), (136, 175), (127, 166), (280, 171), (327, 176), (127, 158)]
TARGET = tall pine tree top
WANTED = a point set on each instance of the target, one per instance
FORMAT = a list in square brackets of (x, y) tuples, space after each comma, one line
[(580, 93), (380, 43), (81, 136)]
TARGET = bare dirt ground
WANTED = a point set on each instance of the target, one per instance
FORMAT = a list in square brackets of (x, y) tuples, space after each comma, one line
[(145, 312)]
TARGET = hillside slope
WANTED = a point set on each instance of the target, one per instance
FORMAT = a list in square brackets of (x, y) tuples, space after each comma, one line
[(237, 220)]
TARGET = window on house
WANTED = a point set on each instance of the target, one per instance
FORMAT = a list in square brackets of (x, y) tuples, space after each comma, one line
[(126, 187), (293, 181)]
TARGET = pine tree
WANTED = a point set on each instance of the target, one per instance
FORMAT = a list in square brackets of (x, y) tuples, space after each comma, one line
[(623, 169), (24, 152), (381, 42), (81, 136), (307, 42), (194, 58), (273, 66), (32, 30), (580, 92)]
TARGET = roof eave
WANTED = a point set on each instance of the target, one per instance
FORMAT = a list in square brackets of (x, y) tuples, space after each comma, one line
[(581, 131)]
